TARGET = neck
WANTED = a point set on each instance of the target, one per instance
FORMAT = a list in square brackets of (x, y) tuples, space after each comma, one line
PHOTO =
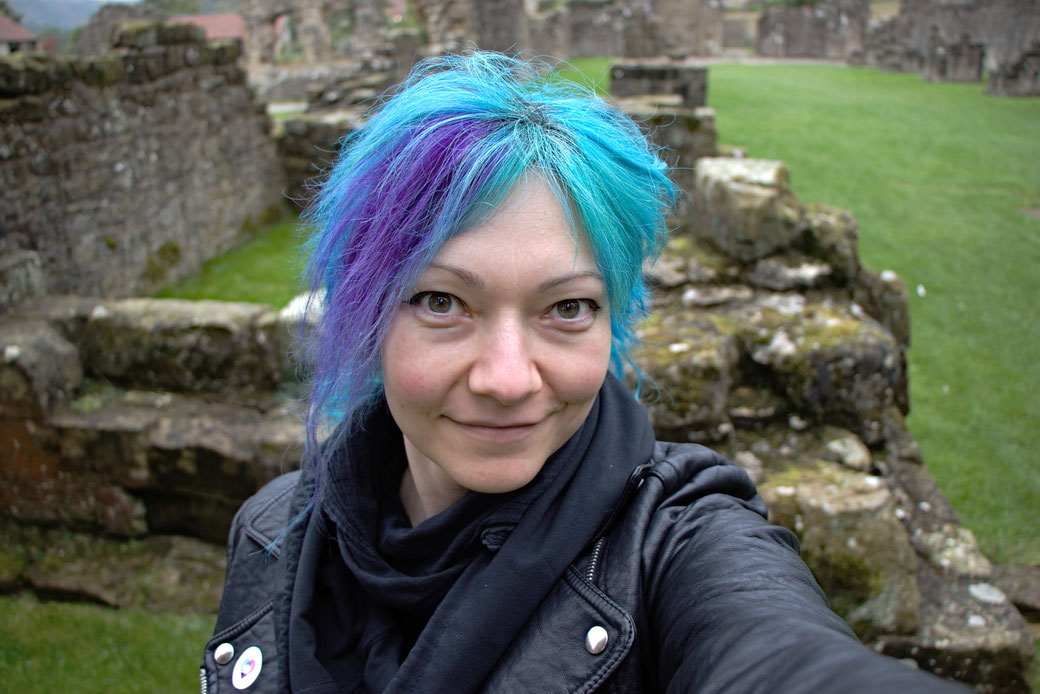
[(424, 495)]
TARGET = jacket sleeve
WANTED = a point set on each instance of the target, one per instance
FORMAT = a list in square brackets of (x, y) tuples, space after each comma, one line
[(732, 607)]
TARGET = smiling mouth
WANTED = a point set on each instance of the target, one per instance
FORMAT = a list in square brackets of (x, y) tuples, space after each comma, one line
[(495, 432)]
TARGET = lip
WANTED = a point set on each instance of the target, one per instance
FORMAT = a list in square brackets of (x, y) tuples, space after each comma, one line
[(489, 431)]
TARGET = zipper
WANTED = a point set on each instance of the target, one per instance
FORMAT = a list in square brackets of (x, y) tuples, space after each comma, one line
[(203, 684), (591, 572), (635, 480)]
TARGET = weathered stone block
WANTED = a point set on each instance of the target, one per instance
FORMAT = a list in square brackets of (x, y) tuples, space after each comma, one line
[(683, 134), (969, 631), (790, 272), (21, 277), (745, 206), (107, 433), (137, 461), (688, 365), (161, 573), (45, 494), (1019, 76), (689, 82), (181, 345), (832, 235), (832, 366), (68, 314), (858, 549), (38, 368), (884, 297)]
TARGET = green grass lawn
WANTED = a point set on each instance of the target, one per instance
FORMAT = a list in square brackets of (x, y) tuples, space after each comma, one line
[(263, 270), (68, 647)]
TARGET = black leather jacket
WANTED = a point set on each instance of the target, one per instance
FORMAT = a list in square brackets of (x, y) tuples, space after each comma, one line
[(692, 588)]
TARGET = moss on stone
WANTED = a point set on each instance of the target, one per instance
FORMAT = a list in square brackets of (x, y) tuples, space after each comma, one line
[(848, 581), (21, 110), (93, 395), (175, 34), (170, 253), (101, 71)]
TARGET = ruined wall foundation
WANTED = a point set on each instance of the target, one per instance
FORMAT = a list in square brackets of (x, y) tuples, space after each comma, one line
[(1005, 28), (123, 172), (831, 29)]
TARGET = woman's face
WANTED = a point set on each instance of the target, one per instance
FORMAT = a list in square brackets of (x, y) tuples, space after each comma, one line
[(497, 357)]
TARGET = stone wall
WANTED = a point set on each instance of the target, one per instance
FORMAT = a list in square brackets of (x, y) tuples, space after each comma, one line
[(95, 37), (831, 29), (579, 28), (123, 172), (960, 61), (688, 82), (141, 416), (688, 27), (1020, 77), (1005, 27), (888, 47)]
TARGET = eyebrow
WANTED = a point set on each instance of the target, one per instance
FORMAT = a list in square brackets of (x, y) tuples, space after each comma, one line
[(472, 280), (557, 281), (467, 277)]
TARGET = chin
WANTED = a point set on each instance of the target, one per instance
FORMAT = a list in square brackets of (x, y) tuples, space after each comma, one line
[(503, 476)]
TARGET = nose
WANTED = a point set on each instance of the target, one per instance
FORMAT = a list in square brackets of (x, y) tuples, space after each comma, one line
[(505, 369)]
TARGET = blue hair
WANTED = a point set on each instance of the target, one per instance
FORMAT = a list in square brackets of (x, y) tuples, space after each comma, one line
[(437, 157)]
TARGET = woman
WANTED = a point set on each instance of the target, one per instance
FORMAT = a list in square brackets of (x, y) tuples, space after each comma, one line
[(484, 507)]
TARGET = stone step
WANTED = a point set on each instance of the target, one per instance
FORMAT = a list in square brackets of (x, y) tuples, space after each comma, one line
[(136, 462), (160, 572)]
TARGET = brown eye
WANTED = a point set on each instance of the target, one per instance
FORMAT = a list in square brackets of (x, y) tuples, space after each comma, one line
[(569, 309)]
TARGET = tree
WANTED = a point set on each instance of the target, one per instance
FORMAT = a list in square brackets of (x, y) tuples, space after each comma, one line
[(8, 11)]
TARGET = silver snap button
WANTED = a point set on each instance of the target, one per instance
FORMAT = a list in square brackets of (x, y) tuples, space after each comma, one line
[(224, 653), (596, 640)]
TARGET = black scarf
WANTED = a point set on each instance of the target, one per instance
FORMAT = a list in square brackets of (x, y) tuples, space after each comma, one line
[(379, 606)]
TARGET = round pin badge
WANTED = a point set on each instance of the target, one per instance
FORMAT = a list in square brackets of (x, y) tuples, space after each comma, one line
[(247, 668)]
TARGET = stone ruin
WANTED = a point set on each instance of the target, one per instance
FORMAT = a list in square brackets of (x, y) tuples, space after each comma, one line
[(131, 429), (95, 37), (1020, 77), (829, 29), (634, 28), (960, 61), (120, 171), (943, 38), (688, 82)]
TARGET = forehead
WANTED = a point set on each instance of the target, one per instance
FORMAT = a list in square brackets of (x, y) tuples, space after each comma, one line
[(530, 229)]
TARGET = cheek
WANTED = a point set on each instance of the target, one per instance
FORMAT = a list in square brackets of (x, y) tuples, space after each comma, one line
[(406, 371), (579, 374)]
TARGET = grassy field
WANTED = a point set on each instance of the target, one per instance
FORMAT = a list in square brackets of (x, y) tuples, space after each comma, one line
[(263, 270), (66, 647)]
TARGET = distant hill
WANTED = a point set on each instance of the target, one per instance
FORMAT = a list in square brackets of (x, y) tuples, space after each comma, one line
[(69, 14), (63, 14)]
